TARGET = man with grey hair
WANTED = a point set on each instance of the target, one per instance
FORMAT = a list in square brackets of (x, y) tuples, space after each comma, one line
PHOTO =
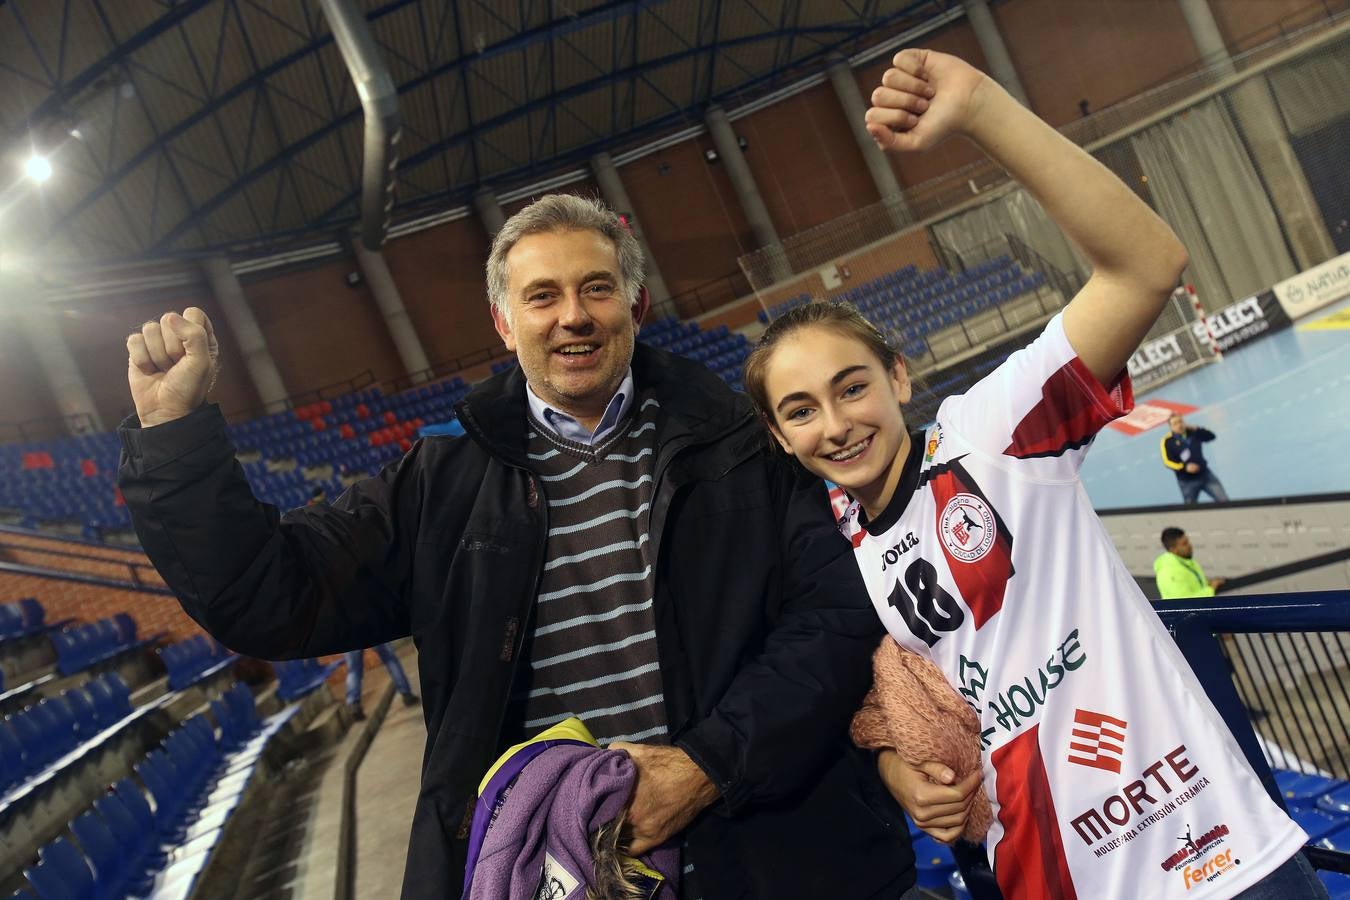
[(613, 539)]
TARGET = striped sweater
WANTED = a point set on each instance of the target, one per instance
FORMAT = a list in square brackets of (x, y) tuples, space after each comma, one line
[(591, 652)]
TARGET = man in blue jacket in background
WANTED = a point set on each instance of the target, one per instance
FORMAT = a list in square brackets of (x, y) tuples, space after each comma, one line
[(1183, 452)]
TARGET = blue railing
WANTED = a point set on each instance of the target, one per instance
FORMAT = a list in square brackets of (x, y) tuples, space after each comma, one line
[(1241, 675)]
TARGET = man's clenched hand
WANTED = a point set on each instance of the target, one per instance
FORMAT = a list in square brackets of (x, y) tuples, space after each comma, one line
[(171, 364), (671, 790)]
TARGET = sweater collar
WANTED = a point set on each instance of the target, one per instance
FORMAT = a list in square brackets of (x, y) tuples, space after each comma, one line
[(695, 403)]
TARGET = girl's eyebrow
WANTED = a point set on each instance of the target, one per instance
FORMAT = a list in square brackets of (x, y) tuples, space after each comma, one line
[(802, 395)]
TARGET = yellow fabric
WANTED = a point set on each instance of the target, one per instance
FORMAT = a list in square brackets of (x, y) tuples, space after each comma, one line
[(570, 729), (1179, 578), (1167, 460)]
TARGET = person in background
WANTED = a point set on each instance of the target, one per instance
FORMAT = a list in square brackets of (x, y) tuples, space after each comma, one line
[(356, 665), (1183, 453), (1179, 575)]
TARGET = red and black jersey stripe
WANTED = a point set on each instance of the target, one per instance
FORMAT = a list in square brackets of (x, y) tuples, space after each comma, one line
[(982, 583), (1073, 408)]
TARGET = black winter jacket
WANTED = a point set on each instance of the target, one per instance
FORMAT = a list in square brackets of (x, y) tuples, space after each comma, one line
[(764, 629)]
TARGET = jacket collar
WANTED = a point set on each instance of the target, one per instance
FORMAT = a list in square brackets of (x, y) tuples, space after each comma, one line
[(695, 404)]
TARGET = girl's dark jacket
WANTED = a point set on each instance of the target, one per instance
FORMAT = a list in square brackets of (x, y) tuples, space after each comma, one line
[(764, 629)]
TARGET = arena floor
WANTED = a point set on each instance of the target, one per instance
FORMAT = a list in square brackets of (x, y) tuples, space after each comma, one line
[(1280, 410)]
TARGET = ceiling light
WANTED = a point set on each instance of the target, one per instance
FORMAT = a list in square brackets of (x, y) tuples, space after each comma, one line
[(38, 168)]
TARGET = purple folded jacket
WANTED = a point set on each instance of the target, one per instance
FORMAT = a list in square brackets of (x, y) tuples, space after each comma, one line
[(531, 829)]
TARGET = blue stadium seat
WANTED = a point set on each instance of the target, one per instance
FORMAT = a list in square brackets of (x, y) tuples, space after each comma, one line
[(102, 850), (1336, 801), (932, 861), (1337, 884), (1303, 789), (1315, 822), (61, 873)]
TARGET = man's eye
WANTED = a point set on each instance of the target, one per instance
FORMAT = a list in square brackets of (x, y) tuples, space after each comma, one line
[(854, 390), (601, 289)]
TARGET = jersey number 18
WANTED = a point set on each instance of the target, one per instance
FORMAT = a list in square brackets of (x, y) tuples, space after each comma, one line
[(926, 607)]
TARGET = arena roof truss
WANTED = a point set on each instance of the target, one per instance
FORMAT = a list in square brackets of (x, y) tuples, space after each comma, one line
[(183, 127)]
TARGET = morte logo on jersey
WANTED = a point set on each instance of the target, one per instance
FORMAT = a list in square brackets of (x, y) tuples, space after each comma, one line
[(1097, 740), (976, 542)]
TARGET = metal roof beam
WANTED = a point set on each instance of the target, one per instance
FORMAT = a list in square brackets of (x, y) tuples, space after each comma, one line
[(217, 102), (552, 103), (67, 91)]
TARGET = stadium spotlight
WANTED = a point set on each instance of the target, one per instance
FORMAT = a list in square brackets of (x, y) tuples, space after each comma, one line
[(38, 168)]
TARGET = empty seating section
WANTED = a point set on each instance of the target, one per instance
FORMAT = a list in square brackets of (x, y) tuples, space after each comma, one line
[(74, 479), (719, 349), (298, 677), (188, 661), (25, 618), (155, 838), (1321, 807), (38, 739), (83, 646), (912, 303)]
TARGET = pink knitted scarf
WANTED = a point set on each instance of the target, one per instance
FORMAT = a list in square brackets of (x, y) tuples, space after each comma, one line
[(914, 711)]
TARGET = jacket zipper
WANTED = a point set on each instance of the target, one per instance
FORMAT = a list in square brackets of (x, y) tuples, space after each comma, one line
[(516, 629), (535, 490)]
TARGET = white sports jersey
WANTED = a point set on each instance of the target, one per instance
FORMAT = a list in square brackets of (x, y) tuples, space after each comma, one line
[(1111, 774)]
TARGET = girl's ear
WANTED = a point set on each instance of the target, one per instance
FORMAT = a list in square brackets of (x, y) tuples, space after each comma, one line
[(904, 389), (777, 435)]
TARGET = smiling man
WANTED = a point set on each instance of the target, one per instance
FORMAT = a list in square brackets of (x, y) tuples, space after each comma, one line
[(612, 539)]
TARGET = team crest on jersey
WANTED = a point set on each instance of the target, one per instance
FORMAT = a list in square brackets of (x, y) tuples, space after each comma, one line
[(967, 527), (933, 443)]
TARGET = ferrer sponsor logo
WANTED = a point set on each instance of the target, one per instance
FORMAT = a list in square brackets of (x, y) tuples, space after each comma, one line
[(1210, 869)]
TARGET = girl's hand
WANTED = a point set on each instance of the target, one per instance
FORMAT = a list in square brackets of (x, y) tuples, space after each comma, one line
[(927, 793), (925, 98)]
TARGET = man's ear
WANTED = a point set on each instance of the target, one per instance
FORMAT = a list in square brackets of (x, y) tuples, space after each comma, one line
[(502, 322), (904, 388), (640, 308)]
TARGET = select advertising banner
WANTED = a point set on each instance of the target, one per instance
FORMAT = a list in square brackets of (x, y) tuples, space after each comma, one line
[(1237, 323), (1315, 288)]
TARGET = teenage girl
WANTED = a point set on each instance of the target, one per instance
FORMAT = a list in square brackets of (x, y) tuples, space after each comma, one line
[(1109, 772)]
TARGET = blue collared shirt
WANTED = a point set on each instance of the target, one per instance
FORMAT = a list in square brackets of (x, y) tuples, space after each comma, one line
[(569, 429)]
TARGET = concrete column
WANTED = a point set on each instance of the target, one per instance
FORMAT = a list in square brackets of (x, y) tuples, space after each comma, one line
[(1205, 32), (42, 328), (377, 275), (1259, 119), (611, 186), (995, 51), (752, 204), (489, 210), (257, 358), (855, 111)]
